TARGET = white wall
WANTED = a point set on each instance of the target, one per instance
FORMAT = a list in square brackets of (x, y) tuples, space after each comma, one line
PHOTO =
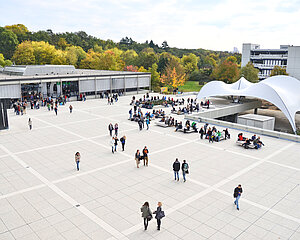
[(293, 62)]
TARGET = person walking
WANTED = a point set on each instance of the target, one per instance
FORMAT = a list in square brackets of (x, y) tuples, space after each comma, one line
[(130, 113), (237, 194), (137, 158), (116, 142), (77, 160), (112, 143), (110, 128), (116, 129), (185, 169), (201, 132), (176, 168), (159, 214), (123, 140), (146, 214), (147, 123), (71, 108), (30, 123), (145, 156), (55, 110)]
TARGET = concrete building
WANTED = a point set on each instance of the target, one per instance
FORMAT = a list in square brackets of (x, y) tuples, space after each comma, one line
[(265, 59), (56, 80)]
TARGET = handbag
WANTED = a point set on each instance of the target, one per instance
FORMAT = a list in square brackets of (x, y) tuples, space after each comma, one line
[(187, 171), (161, 214)]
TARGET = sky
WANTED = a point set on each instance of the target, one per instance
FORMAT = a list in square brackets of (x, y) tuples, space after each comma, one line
[(209, 24)]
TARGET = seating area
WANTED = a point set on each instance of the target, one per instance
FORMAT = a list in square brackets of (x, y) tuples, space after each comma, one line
[(253, 143)]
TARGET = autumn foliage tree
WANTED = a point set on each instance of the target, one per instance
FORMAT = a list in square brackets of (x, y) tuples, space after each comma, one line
[(172, 78), (227, 72)]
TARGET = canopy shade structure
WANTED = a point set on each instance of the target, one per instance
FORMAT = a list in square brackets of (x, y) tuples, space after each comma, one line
[(282, 91)]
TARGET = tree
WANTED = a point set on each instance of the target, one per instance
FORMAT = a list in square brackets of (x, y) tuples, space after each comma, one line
[(74, 55), (155, 78), (172, 78), (24, 54), (4, 62), (43, 52), (227, 72), (146, 58), (201, 76), (129, 57), (131, 68), (165, 45), (189, 63), (164, 59), (8, 42), (62, 44), (231, 59), (250, 72), (18, 29), (277, 70)]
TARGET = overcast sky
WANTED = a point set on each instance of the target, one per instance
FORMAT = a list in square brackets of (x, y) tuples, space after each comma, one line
[(209, 24)]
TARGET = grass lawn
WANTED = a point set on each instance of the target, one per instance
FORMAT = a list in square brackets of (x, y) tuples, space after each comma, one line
[(190, 86)]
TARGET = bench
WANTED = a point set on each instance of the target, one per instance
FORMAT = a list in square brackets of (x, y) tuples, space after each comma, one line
[(191, 130), (162, 124)]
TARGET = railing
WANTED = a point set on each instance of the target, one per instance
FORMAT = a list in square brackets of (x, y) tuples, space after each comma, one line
[(269, 56), (259, 65)]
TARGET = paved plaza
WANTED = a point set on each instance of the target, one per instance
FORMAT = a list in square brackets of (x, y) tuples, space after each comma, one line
[(42, 196)]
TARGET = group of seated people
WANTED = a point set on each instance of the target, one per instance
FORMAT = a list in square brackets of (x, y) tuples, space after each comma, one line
[(186, 110), (188, 127), (213, 134), (158, 113), (170, 121), (247, 141)]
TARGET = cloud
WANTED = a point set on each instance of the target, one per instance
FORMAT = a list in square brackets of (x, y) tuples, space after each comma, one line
[(215, 24)]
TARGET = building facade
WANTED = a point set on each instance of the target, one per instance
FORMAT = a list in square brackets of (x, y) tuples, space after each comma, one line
[(18, 82), (264, 59)]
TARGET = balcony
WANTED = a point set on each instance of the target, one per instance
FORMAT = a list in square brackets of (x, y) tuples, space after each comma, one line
[(266, 66), (263, 76), (269, 56)]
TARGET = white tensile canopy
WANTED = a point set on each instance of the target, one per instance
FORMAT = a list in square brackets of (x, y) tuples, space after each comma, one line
[(282, 91)]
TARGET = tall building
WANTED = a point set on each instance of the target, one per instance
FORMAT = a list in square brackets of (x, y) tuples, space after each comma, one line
[(266, 59)]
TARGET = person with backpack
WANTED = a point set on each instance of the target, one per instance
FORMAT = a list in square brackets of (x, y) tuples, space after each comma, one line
[(237, 194), (123, 140), (145, 156), (146, 214), (77, 160), (176, 168), (185, 169), (159, 214)]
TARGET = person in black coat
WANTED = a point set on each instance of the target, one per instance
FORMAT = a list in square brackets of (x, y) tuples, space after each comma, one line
[(176, 168), (237, 194), (201, 132), (159, 214)]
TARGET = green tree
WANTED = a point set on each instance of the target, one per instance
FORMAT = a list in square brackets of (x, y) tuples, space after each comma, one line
[(20, 30), (8, 42), (62, 44), (201, 76), (43, 52), (146, 58), (189, 63), (74, 55), (227, 72), (129, 57), (250, 72), (164, 59), (155, 77), (277, 70), (4, 62), (24, 54)]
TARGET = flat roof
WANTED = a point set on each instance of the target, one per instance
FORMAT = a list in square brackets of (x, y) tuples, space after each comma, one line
[(77, 73), (256, 117)]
